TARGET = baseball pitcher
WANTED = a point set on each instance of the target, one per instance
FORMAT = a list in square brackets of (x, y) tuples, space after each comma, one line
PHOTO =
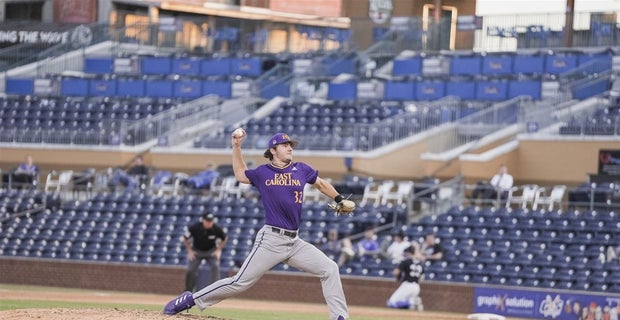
[(281, 184)]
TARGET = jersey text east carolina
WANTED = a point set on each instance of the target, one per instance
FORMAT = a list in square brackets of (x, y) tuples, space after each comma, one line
[(282, 191)]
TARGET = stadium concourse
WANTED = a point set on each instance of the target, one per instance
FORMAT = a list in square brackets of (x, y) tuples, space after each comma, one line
[(407, 141)]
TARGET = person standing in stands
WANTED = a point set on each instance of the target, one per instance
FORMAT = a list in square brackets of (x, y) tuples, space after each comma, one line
[(203, 240), (280, 183)]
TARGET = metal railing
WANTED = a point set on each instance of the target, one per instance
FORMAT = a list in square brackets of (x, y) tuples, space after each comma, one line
[(79, 38), (475, 126), (500, 33), (167, 124), (586, 70), (545, 115), (436, 198), (364, 137), (591, 198), (166, 127), (205, 115), (548, 30), (419, 117), (562, 113), (497, 33), (36, 208), (579, 119), (278, 75), (18, 54)]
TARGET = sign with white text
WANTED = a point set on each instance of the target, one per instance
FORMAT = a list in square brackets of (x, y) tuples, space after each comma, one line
[(545, 304)]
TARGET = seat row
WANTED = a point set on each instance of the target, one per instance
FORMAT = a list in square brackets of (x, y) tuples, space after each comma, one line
[(142, 242), (546, 62), (524, 247), (604, 121)]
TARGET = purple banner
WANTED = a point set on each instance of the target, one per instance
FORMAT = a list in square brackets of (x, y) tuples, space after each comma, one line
[(545, 305)]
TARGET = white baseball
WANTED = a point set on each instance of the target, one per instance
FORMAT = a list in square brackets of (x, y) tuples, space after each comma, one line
[(238, 133)]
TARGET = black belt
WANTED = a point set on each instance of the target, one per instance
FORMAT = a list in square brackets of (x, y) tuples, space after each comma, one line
[(283, 232)]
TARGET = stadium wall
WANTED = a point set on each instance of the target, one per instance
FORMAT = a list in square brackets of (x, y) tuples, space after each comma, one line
[(276, 286), (564, 161), (54, 158), (541, 161)]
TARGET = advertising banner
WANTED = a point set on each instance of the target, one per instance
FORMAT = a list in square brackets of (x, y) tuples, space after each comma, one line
[(545, 305), (609, 162)]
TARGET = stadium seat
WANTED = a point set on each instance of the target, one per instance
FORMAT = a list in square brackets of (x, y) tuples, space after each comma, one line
[(375, 191), (554, 198), (523, 196), (466, 65), (403, 191)]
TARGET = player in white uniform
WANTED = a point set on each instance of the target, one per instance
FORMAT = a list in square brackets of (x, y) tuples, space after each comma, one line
[(409, 272)]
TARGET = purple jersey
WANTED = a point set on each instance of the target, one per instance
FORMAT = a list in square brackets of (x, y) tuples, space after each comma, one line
[(281, 191)]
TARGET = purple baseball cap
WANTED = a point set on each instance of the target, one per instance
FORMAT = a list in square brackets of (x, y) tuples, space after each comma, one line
[(280, 138)]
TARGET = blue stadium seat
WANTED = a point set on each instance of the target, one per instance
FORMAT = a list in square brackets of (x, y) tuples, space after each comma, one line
[(430, 90), (532, 88), (481, 278), (515, 281), (598, 287), (531, 282), (512, 270), (216, 67), (614, 287), (155, 65), (499, 280), (409, 66), (400, 91), (493, 65), (465, 65), (509, 258), (529, 64), (494, 269), (559, 63), (186, 66)]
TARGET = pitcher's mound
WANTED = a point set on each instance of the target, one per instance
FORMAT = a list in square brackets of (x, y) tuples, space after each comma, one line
[(95, 314)]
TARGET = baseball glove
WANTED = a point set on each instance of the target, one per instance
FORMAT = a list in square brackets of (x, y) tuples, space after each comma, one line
[(343, 207)]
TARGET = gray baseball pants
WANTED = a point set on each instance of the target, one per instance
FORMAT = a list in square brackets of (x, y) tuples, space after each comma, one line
[(271, 248)]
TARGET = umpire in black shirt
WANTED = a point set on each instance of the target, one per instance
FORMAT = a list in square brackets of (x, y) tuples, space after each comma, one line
[(203, 240)]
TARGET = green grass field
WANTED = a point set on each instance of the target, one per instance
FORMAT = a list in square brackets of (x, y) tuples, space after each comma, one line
[(13, 297)]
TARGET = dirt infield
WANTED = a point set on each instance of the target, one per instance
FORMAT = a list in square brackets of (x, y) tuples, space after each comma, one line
[(147, 299), (91, 314)]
